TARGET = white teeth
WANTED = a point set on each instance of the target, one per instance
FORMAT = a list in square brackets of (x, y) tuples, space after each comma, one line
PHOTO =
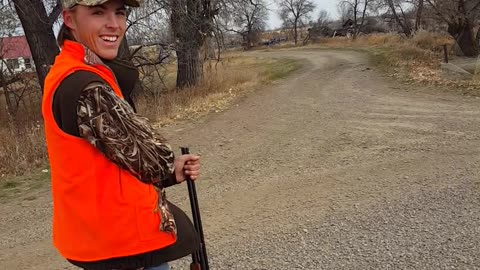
[(109, 38)]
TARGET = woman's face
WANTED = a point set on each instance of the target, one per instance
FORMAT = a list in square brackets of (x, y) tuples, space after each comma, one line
[(101, 28)]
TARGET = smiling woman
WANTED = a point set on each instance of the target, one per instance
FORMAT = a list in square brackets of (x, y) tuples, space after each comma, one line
[(101, 28), (109, 170)]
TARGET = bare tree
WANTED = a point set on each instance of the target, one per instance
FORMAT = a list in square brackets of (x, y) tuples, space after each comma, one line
[(294, 13), (345, 11), (366, 4), (419, 16), (323, 18), (460, 16), (37, 26), (9, 25), (246, 18), (192, 23), (149, 24), (321, 28), (399, 14), (147, 29), (358, 10)]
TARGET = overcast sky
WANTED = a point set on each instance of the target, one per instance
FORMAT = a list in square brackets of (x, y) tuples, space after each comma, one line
[(328, 5)]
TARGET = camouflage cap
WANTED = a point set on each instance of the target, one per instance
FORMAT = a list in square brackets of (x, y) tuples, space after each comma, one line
[(68, 4)]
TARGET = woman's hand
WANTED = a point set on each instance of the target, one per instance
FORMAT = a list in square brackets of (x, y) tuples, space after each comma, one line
[(187, 165)]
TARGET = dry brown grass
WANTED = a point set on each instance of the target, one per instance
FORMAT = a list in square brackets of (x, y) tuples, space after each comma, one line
[(22, 144), (22, 147)]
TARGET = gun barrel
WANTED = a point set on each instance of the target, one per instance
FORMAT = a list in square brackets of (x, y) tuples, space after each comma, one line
[(197, 221)]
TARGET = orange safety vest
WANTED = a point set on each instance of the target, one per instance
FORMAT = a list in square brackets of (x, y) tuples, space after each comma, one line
[(100, 211)]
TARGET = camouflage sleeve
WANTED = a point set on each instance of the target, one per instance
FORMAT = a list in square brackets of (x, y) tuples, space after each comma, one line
[(110, 124)]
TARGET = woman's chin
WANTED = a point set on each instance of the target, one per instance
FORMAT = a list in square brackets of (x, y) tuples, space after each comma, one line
[(107, 54)]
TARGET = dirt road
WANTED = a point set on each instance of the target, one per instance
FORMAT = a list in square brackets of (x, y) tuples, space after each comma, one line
[(336, 167)]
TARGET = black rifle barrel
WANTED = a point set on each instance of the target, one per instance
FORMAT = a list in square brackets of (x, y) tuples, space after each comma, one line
[(197, 221)]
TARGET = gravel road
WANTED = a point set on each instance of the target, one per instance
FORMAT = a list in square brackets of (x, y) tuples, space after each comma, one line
[(336, 167)]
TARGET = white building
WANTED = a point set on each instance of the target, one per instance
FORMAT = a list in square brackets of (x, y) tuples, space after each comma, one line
[(15, 55)]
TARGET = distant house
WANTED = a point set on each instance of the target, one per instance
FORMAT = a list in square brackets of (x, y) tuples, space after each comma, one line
[(346, 29), (15, 55), (348, 24)]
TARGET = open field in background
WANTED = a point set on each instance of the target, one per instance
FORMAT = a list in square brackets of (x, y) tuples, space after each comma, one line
[(22, 149)]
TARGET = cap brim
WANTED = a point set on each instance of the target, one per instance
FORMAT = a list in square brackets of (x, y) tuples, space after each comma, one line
[(131, 3)]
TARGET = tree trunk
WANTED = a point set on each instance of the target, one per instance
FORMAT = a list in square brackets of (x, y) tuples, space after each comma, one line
[(355, 15), (6, 92), (125, 54), (466, 42), (362, 22), (404, 26), (462, 31), (190, 67), (477, 38), (40, 37), (191, 22), (248, 40), (418, 20), (295, 33)]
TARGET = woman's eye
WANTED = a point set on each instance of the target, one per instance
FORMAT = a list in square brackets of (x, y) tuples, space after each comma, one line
[(121, 13), (98, 12)]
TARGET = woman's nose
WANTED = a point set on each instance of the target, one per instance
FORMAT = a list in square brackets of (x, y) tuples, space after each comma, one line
[(112, 21)]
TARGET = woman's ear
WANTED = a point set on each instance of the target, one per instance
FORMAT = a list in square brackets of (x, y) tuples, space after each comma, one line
[(68, 19)]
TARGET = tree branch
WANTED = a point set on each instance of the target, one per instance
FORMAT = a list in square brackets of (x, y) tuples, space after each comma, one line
[(53, 16), (234, 31), (474, 7), (137, 20), (150, 63), (135, 52), (9, 81), (439, 13)]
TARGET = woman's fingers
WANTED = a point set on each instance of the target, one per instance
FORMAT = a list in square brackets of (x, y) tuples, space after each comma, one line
[(192, 166), (195, 167)]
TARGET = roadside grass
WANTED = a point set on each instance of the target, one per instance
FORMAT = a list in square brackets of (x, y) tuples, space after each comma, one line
[(12, 186), (279, 69)]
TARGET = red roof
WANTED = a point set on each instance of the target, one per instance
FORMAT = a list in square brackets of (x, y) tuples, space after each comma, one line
[(14, 47)]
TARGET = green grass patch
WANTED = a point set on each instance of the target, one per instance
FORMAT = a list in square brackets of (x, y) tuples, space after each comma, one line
[(279, 69), (382, 58), (9, 185), (15, 186)]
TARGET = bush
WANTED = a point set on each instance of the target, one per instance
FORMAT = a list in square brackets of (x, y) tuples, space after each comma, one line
[(22, 147), (432, 41)]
